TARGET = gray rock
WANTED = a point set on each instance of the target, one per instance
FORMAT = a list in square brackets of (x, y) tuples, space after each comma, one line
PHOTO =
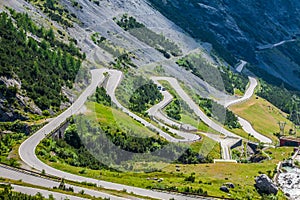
[(228, 24), (265, 185), (229, 185), (224, 188)]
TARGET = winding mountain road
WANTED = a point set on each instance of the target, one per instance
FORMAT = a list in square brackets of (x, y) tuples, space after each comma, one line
[(155, 112), (174, 83), (247, 127), (113, 82), (247, 95), (27, 148)]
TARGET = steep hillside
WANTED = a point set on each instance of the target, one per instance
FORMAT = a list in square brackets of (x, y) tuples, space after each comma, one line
[(35, 66), (146, 39), (264, 33), (99, 19)]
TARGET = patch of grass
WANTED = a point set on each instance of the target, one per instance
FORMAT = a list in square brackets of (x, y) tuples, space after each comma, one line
[(142, 33), (238, 92), (279, 153), (108, 116), (243, 134), (207, 147), (56, 12), (263, 116)]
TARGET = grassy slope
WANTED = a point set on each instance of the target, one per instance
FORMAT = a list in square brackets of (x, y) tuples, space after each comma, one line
[(207, 147), (263, 116), (113, 117), (211, 176)]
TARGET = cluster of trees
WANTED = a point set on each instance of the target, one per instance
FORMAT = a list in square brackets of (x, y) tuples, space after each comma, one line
[(97, 2), (56, 12), (23, 21), (7, 142), (173, 110), (141, 32), (78, 157), (145, 96), (123, 62), (192, 157), (44, 66), (105, 44), (122, 57), (218, 112), (219, 77), (102, 97), (128, 23), (76, 4), (6, 194), (233, 81), (134, 144), (9, 93), (189, 190)]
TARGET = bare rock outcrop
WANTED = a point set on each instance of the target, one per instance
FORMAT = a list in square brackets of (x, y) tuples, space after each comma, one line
[(265, 185)]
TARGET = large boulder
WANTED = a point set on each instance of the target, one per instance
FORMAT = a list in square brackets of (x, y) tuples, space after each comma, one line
[(224, 188), (265, 185)]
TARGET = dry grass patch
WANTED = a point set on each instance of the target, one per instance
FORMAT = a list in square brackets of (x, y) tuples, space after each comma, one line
[(263, 116)]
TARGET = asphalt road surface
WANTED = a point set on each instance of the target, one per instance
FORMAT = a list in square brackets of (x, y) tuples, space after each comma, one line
[(44, 193), (244, 123), (248, 93), (47, 183)]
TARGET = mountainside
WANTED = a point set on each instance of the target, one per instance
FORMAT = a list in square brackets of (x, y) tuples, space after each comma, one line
[(103, 40), (35, 67), (141, 92), (264, 33)]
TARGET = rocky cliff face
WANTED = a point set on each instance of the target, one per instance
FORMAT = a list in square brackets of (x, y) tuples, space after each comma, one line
[(15, 106), (264, 33)]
